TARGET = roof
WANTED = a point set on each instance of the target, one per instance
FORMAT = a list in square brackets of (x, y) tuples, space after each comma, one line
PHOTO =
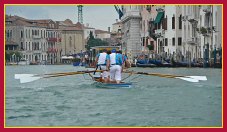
[(117, 23), (79, 25), (101, 31), (70, 28), (88, 28), (20, 21)]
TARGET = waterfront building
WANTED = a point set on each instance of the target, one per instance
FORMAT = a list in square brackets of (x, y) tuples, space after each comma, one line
[(116, 34), (72, 38), (26, 37), (53, 37), (131, 21), (148, 14), (101, 34)]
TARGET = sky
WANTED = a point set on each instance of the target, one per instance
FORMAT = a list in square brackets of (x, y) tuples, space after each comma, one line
[(98, 17)]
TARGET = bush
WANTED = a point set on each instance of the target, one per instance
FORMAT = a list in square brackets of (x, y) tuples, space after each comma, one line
[(76, 60)]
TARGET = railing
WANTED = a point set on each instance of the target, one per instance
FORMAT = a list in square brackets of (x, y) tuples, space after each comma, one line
[(159, 31), (52, 50), (52, 39), (36, 36), (193, 40), (191, 18)]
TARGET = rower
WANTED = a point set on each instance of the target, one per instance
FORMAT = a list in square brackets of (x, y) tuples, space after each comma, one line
[(103, 61), (115, 66)]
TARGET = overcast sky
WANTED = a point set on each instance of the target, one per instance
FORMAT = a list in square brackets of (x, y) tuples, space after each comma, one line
[(99, 17)]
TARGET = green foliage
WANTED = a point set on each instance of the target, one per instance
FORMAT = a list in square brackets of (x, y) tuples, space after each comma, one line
[(150, 47), (204, 30), (76, 60), (9, 55), (92, 42)]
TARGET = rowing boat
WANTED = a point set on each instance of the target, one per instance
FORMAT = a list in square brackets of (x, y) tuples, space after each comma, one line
[(25, 78), (99, 83)]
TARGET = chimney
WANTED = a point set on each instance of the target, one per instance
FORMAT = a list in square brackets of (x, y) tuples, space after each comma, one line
[(108, 29)]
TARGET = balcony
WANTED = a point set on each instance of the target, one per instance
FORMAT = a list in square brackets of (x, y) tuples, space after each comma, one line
[(144, 33), (37, 51), (193, 40), (59, 39), (36, 36), (160, 32), (52, 50), (184, 18), (52, 39), (192, 18)]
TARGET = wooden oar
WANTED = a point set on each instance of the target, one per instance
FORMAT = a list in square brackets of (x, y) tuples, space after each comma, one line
[(25, 78), (186, 78)]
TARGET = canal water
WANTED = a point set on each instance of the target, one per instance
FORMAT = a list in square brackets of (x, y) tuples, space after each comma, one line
[(75, 101)]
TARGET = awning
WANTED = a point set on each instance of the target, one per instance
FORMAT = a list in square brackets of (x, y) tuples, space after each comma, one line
[(159, 17), (67, 57)]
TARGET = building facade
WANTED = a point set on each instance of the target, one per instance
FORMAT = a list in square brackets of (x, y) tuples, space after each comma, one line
[(27, 37), (131, 20)]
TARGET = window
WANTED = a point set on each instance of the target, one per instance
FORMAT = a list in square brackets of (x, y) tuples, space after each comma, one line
[(21, 34), (179, 41), (152, 45), (21, 46), (26, 32), (159, 25), (165, 23), (70, 41), (143, 41), (11, 33), (7, 34), (173, 41), (173, 22), (166, 41), (180, 22)]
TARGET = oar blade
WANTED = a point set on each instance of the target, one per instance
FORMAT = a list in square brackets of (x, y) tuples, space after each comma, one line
[(18, 76), (29, 79), (202, 78), (188, 79)]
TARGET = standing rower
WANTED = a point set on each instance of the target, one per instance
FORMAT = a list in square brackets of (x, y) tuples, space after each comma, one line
[(103, 61), (115, 66)]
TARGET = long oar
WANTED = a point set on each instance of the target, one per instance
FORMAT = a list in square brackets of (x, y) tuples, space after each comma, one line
[(186, 78), (25, 78)]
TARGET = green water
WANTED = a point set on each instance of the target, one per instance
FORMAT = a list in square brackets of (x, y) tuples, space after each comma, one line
[(76, 101)]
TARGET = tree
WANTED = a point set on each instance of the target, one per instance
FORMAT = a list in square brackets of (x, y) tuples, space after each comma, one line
[(9, 55), (92, 42)]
